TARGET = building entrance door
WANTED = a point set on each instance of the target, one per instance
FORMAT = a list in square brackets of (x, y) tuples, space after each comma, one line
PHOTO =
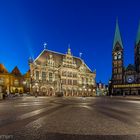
[(139, 92), (16, 90)]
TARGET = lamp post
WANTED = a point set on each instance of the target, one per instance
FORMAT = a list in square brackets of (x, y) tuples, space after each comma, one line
[(110, 88), (84, 90), (1, 94), (36, 89)]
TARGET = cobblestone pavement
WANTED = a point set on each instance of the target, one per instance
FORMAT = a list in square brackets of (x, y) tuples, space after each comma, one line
[(69, 118)]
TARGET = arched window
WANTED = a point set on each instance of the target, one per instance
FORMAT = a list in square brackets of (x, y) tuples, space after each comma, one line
[(115, 56), (119, 55), (43, 76)]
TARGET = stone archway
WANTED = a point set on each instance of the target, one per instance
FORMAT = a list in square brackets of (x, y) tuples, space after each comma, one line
[(43, 90), (16, 90), (80, 92), (69, 92), (50, 91), (35, 89), (74, 92)]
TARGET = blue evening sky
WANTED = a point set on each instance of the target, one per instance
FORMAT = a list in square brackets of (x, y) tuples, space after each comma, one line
[(88, 25)]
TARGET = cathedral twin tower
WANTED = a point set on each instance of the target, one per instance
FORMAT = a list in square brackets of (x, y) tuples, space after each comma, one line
[(125, 80)]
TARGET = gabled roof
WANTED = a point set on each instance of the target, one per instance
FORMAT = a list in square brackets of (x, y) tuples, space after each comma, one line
[(3, 69), (138, 35), (58, 57), (117, 36), (16, 71), (27, 74)]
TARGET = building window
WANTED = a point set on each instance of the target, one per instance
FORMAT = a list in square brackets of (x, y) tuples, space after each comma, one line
[(43, 76), (120, 70), (16, 83), (74, 75), (1, 81), (64, 81), (69, 82), (50, 77), (119, 55), (74, 82), (64, 73), (86, 80), (91, 81), (69, 74), (120, 76), (119, 63), (37, 75), (56, 76), (115, 63), (115, 76), (83, 81), (115, 70)]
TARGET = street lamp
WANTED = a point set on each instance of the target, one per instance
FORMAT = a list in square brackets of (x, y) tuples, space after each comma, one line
[(1, 95), (36, 89), (110, 88)]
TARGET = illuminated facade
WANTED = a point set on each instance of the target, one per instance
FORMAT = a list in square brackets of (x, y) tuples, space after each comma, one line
[(53, 72), (102, 89), (14, 82), (125, 80)]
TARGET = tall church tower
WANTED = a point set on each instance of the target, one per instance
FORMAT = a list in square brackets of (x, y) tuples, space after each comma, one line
[(117, 58), (137, 53)]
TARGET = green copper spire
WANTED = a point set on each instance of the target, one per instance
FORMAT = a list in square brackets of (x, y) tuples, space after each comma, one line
[(138, 35), (117, 37)]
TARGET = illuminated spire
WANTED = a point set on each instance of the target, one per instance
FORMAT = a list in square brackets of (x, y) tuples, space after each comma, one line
[(117, 37), (138, 34), (69, 50)]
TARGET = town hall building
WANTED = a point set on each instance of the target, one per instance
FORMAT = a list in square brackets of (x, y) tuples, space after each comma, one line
[(53, 72)]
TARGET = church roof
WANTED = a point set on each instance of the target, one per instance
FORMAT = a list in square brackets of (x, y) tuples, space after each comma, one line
[(16, 71), (3, 69), (58, 57), (117, 36), (130, 67), (138, 34)]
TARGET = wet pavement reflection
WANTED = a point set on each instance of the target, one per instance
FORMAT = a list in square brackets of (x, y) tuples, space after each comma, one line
[(70, 118)]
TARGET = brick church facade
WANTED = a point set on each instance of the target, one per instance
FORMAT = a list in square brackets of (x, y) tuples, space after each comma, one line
[(125, 80)]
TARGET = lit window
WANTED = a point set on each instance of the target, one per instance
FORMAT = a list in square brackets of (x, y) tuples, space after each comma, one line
[(119, 55), (50, 76), (43, 76), (16, 82), (37, 75), (1, 81)]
